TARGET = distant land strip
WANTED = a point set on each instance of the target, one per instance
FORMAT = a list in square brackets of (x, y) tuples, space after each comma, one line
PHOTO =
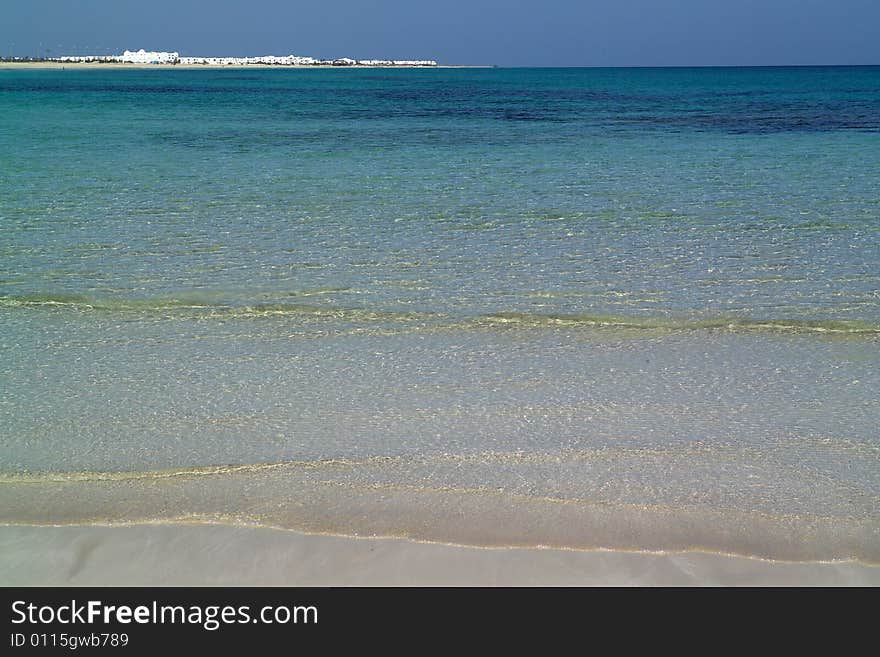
[(162, 58)]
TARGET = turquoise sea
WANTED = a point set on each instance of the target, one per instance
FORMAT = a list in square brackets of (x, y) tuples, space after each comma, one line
[(616, 308)]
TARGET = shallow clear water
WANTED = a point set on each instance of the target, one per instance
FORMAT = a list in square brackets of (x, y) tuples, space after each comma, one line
[(649, 290)]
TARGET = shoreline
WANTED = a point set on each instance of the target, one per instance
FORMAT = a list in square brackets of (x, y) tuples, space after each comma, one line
[(217, 554), (106, 66)]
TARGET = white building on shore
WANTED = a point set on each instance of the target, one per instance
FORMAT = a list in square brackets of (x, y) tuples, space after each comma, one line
[(396, 62), (149, 57), (266, 60), (85, 59)]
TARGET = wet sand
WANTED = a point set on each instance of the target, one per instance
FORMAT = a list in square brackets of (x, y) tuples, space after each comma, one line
[(168, 555)]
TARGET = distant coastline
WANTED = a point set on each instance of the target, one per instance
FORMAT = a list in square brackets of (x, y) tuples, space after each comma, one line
[(110, 66), (165, 58)]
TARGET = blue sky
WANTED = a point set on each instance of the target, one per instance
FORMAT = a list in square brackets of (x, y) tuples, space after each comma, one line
[(505, 33)]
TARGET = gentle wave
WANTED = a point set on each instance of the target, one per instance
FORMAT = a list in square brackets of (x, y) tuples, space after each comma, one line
[(659, 322), (435, 459), (305, 496), (200, 309), (209, 309)]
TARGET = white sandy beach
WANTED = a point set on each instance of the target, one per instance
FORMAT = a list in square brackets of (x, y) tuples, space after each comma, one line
[(226, 555)]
